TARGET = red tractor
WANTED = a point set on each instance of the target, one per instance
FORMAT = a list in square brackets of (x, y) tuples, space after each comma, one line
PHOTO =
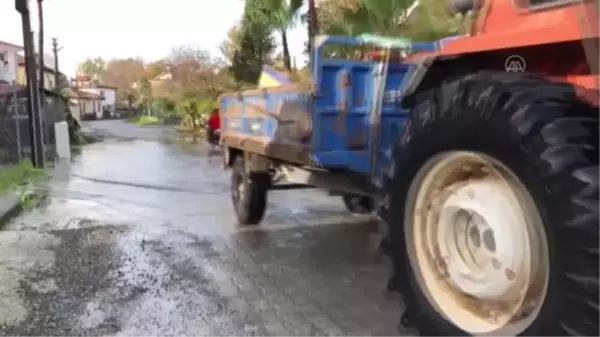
[(492, 205), (486, 174)]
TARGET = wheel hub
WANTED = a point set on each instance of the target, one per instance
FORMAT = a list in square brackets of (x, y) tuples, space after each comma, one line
[(477, 243), (481, 256)]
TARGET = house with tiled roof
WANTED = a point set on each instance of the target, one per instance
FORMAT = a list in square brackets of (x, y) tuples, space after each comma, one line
[(49, 73), (12, 66), (8, 61), (104, 97), (85, 105)]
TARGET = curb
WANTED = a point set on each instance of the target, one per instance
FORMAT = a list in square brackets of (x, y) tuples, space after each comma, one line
[(10, 207)]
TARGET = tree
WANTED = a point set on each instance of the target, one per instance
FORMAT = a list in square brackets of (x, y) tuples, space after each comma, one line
[(256, 45), (431, 22), (280, 15), (125, 75), (422, 20), (370, 16), (164, 106), (92, 67), (156, 68), (247, 62), (189, 110), (232, 44), (145, 93), (192, 68)]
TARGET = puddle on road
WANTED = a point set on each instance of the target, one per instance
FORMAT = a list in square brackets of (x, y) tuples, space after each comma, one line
[(165, 179), (139, 181)]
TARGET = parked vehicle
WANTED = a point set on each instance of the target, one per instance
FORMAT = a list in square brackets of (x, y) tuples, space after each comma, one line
[(479, 152)]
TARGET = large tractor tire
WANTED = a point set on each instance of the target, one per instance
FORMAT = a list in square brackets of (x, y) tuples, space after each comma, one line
[(248, 193), (492, 210)]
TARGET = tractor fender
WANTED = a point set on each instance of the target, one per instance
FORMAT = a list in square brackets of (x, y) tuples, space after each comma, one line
[(431, 71)]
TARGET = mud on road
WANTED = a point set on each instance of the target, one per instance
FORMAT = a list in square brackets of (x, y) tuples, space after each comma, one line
[(138, 237)]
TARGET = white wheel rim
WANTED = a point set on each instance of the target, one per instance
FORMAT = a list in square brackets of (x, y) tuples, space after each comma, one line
[(476, 243)]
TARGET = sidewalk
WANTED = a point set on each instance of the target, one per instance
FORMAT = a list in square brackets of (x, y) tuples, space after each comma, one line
[(10, 206)]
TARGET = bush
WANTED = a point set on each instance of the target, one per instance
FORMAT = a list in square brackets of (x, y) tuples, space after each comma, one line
[(144, 120), (194, 111), (164, 108)]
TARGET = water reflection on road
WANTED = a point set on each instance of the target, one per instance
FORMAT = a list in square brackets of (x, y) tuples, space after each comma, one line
[(157, 181), (137, 236)]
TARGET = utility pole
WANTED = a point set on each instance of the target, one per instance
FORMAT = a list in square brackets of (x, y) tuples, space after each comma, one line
[(55, 50), (57, 84), (41, 43), (313, 28), (33, 98)]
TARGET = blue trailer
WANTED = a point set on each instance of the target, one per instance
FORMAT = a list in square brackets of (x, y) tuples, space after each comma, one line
[(335, 133)]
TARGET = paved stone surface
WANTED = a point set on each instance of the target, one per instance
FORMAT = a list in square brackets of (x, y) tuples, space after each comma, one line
[(137, 237)]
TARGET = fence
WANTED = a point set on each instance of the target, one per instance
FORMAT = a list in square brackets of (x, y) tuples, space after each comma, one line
[(15, 134)]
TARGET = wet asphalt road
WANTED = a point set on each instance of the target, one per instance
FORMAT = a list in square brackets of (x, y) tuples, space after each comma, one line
[(137, 237)]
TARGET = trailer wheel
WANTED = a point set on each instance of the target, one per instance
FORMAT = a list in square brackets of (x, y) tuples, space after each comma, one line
[(358, 204), (248, 193), (493, 210)]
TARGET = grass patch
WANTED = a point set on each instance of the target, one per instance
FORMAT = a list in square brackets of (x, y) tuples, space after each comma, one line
[(14, 177), (19, 179), (144, 120), (31, 200)]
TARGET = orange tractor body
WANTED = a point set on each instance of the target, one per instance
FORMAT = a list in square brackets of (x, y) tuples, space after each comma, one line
[(556, 39)]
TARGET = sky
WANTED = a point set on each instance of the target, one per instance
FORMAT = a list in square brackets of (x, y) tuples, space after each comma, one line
[(131, 28)]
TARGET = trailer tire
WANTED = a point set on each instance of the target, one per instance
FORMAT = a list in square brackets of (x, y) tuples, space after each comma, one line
[(548, 138), (358, 204), (248, 193)]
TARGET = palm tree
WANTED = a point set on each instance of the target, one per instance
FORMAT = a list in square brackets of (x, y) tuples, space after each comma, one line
[(423, 20), (280, 15), (418, 20)]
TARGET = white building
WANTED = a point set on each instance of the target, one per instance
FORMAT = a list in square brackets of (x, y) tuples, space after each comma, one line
[(108, 98), (8, 61), (108, 95), (85, 105), (109, 103)]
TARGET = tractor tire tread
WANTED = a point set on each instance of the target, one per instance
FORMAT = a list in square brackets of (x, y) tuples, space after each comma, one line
[(556, 134)]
